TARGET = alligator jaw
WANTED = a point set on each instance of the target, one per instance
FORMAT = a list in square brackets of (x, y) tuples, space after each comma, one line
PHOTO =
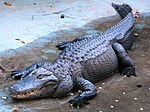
[(42, 91), (26, 94)]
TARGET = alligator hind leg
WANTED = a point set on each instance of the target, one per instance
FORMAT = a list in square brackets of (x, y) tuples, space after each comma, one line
[(125, 63)]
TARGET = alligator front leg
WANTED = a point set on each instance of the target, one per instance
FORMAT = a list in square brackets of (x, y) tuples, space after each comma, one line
[(17, 74), (88, 92), (125, 63), (63, 45)]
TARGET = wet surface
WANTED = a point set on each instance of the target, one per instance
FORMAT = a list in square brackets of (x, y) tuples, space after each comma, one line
[(115, 94)]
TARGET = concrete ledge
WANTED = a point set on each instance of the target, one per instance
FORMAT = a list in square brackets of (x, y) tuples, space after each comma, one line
[(29, 20)]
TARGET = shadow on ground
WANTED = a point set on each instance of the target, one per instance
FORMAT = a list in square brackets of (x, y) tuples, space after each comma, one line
[(115, 94)]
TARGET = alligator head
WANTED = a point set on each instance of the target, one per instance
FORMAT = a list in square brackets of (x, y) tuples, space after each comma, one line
[(39, 83), (43, 82), (123, 9)]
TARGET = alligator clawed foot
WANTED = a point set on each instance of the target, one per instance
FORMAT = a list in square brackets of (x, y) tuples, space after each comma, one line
[(129, 71), (63, 45), (78, 102), (17, 74)]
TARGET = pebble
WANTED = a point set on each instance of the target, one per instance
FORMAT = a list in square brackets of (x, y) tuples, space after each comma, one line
[(124, 93), (116, 100), (111, 106), (71, 94), (79, 91), (136, 35), (135, 98), (124, 76), (8, 3), (100, 111), (100, 87), (52, 6), (24, 41), (4, 98), (62, 16), (103, 83), (15, 109), (141, 109), (149, 88), (139, 85), (71, 107)]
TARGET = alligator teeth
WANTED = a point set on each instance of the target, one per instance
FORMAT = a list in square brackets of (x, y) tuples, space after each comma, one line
[(27, 93)]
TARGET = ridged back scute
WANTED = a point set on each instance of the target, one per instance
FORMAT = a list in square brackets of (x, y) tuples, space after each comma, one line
[(85, 49), (121, 27), (96, 45)]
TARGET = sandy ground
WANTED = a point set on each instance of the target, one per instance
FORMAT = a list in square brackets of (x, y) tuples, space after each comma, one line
[(116, 93)]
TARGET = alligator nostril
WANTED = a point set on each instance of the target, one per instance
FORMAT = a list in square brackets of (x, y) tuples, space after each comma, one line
[(11, 90)]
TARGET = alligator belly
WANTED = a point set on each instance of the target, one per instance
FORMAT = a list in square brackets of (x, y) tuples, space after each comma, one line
[(101, 66)]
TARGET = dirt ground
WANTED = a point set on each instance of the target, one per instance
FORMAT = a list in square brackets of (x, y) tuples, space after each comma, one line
[(115, 94)]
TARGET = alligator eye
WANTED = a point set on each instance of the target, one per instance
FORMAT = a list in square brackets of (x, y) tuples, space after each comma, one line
[(42, 76), (39, 76)]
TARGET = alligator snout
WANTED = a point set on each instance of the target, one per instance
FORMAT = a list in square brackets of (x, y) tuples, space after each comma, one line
[(12, 91), (114, 5)]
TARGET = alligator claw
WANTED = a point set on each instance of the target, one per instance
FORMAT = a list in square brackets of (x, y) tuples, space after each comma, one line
[(17, 74), (78, 102), (129, 71)]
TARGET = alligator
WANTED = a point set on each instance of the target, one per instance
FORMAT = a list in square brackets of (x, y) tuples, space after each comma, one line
[(82, 62), (122, 10)]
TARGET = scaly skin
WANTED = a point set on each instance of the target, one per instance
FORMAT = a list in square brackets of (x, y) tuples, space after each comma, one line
[(123, 11), (83, 61)]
